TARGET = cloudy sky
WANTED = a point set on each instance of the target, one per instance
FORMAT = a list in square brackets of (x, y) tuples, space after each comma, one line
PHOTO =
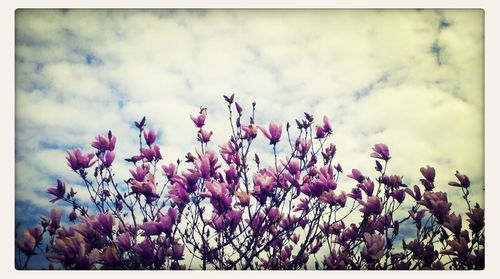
[(412, 79)]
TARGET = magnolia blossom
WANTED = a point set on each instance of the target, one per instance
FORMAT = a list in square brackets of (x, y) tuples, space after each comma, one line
[(146, 188), (140, 173), (453, 223), (293, 166), (381, 151), (104, 142), (151, 154), (303, 147), (107, 159), (476, 219), (356, 175), (199, 120), (58, 191), (463, 181), (429, 173), (29, 240), (264, 181), (77, 160), (150, 136), (371, 206), (239, 109), (204, 136), (373, 249), (229, 152), (218, 194), (333, 199), (169, 170), (274, 133), (243, 197), (250, 131), (437, 203), (367, 186)]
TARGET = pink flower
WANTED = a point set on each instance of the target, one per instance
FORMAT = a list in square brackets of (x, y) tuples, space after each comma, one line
[(374, 248), (313, 189), (147, 188), (458, 247), (107, 159), (338, 167), (381, 151), (274, 133), (464, 181), (238, 108), (303, 146), (476, 219), (356, 175), (367, 186), (429, 173), (178, 194), (327, 128), (124, 241), (355, 194), (332, 199), (320, 133), (166, 222), (177, 251), (55, 220), (417, 216), (30, 239), (331, 150), (206, 164), (204, 136), (233, 219), (58, 191), (250, 131), (109, 256), (437, 203), (169, 170), (229, 152), (145, 250), (293, 165), (303, 205), (188, 180), (415, 193), (140, 173), (218, 194), (454, 223), (216, 222), (264, 181), (152, 154), (399, 195), (104, 142), (243, 197), (371, 206), (274, 214), (150, 136), (393, 180), (232, 175), (106, 222), (77, 160), (199, 120)]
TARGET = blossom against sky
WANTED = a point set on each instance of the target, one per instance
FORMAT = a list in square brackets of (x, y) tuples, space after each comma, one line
[(412, 79)]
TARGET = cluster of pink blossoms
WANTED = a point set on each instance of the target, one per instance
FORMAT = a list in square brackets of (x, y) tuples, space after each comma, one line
[(223, 209)]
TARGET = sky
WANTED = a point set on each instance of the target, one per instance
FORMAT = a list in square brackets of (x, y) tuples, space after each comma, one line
[(412, 79)]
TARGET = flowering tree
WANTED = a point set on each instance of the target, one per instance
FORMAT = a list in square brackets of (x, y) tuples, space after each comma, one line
[(207, 213)]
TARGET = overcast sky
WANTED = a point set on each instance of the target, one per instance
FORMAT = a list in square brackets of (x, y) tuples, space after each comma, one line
[(410, 79)]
